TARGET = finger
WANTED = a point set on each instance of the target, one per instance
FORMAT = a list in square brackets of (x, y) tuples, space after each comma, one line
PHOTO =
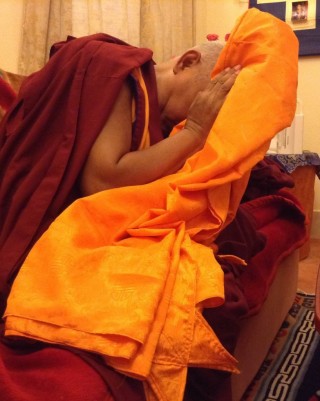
[(220, 78), (225, 80), (225, 75)]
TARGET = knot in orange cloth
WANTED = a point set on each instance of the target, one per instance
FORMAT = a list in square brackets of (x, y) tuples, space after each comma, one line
[(126, 272)]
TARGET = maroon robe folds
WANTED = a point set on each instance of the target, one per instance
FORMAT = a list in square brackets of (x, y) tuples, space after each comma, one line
[(44, 141), (46, 137)]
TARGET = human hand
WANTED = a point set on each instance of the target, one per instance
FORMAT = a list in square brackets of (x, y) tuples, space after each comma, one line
[(207, 104)]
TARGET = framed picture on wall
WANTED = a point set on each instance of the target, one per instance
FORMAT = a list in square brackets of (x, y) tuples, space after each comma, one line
[(302, 16)]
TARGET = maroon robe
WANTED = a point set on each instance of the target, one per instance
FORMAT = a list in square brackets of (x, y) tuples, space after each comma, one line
[(44, 141), (46, 137)]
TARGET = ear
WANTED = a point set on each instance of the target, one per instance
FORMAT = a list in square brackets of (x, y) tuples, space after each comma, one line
[(187, 60)]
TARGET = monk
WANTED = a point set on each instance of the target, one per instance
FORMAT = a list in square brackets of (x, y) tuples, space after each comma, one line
[(185, 91), (80, 135), (99, 91), (84, 128)]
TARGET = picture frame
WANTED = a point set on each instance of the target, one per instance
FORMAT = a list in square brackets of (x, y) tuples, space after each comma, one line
[(302, 16)]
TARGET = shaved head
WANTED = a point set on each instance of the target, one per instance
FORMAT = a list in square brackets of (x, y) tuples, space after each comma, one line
[(210, 52)]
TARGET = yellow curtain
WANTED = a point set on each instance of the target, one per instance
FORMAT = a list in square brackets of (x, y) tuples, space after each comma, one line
[(44, 23), (165, 26)]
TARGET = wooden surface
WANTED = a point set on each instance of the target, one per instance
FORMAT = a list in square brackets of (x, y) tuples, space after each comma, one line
[(304, 178)]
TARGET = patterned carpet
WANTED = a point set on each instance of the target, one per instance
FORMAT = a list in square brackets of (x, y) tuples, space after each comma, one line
[(291, 370)]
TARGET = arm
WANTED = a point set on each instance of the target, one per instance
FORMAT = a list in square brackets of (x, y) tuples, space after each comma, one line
[(111, 164)]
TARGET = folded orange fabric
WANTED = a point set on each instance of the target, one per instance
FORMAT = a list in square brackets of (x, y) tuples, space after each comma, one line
[(126, 272)]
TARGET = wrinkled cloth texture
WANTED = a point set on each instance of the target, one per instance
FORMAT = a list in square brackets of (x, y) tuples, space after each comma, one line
[(207, 384), (29, 373), (49, 130), (255, 236), (110, 251), (265, 179), (275, 212), (285, 210), (87, 53), (240, 238), (7, 95)]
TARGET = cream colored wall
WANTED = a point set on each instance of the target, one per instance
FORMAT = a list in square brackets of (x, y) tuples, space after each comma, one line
[(10, 33), (309, 93), (219, 16)]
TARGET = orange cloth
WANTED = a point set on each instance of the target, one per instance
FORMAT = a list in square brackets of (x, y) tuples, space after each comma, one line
[(126, 272)]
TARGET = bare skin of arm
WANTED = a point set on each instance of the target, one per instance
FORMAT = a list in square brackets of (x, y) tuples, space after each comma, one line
[(110, 163)]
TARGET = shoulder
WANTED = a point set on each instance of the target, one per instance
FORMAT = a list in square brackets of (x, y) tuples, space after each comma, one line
[(113, 142)]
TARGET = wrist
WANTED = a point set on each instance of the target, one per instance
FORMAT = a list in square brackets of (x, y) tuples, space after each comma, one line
[(197, 134)]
